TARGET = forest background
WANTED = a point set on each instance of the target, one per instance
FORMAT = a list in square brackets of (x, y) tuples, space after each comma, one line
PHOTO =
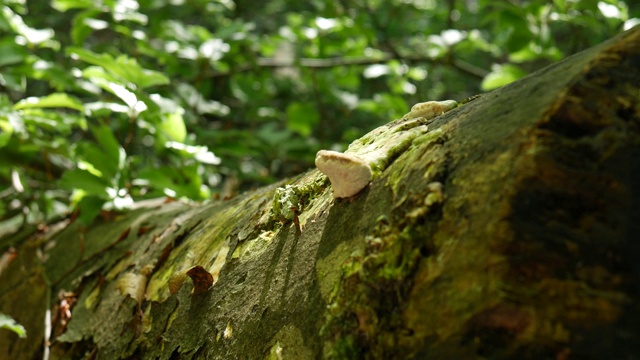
[(106, 103)]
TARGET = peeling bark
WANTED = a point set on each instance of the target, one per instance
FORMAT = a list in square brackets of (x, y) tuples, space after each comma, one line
[(506, 229)]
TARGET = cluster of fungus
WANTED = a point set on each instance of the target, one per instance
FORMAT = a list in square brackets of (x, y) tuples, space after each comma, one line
[(349, 173)]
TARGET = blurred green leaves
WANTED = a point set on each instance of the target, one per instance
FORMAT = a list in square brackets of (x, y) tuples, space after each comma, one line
[(107, 103), (302, 118), (121, 70)]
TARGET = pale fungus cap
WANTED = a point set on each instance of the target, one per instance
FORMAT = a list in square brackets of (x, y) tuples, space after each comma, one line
[(348, 173), (431, 109)]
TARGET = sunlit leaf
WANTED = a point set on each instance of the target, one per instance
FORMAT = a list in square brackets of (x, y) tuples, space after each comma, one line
[(213, 49), (96, 161), (52, 120), (99, 76), (200, 153), (6, 131), (502, 75), (127, 96), (85, 23), (64, 5), (7, 322), (31, 35), (102, 108), (173, 127), (376, 70), (56, 100), (124, 67)]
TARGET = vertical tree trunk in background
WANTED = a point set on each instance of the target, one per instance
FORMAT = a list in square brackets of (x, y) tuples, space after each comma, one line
[(509, 229)]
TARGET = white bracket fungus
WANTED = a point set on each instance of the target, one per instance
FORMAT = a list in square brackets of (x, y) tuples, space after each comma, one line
[(350, 173), (347, 173)]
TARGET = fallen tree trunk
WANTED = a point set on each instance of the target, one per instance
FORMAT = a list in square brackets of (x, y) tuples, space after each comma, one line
[(506, 228)]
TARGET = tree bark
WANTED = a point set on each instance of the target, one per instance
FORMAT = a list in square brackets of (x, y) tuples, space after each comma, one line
[(507, 229)]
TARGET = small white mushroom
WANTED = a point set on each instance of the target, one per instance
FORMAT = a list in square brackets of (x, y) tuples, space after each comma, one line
[(348, 173), (430, 109)]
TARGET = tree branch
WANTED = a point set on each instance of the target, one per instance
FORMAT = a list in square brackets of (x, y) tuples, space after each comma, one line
[(353, 61)]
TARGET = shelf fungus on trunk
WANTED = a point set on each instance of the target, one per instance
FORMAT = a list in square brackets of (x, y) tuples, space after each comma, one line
[(348, 174), (430, 109)]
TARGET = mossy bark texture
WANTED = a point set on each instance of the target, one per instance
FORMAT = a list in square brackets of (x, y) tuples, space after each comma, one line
[(510, 228)]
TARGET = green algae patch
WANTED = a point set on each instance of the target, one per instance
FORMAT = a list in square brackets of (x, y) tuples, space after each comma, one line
[(374, 283)]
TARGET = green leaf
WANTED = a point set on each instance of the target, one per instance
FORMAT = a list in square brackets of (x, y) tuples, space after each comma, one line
[(301, 118), (103, 109), (109, 143), (32, 36), (11, 53), (510, 25), (533, 52), (175, 182), (99, 73), (84, 24), (7, 322), (84, 180), (64, 5), (56, 74), (527, 53), (173, 127), (50, 120), (272, 135), (127, 69), (56, 100), (97, 161), (6, 131), (89, 208), (159, 178), (501, 75), (199, 153), (106, 161)]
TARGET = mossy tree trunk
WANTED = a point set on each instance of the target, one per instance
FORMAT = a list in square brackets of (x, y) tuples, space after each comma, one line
[(507, 228)]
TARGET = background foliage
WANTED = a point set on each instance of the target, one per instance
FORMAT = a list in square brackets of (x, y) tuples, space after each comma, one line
[(107, 102)]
